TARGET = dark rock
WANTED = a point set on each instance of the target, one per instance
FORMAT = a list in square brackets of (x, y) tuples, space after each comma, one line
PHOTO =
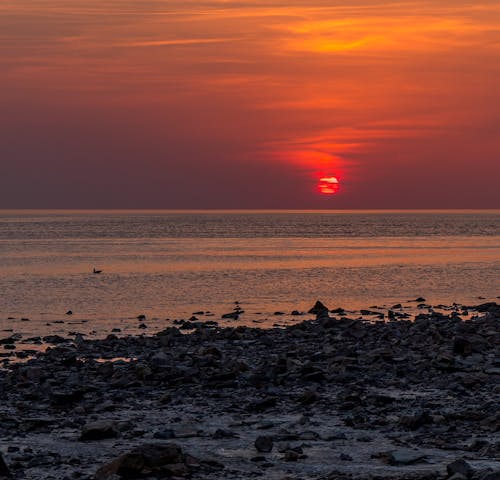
[(292, 456), (489, 475), (264, 443), (147, 460), (403, 457), (66, 398), (338, 311), (4, 469), (55, 339), (69, 312), (259, 406), (319, 309), (99, 431), (166, 434), (221, 433), (9, 340), (308, 397), (485, 307), (461, 467)]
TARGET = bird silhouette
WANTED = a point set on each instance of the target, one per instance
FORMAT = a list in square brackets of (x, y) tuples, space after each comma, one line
[(96, 271)]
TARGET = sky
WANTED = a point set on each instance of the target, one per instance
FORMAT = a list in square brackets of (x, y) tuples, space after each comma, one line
[(249, 104)]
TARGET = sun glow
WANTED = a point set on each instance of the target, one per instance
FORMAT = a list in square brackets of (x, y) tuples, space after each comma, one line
[(328, 185)]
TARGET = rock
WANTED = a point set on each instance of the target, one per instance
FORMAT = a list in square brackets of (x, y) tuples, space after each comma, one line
[(221, 433), (264, 443), (164, 459), (292, 456), (457, 476), (345, 457), (231, 315), (319, 309), (11, 339), (141, 317), (69, 312), (99, 431), (65, 398), (403, 457), (143, 371), (308, 397), (166, 434), (461, 467), (4, 469), (55, 339), (259, 406), (489, 475)]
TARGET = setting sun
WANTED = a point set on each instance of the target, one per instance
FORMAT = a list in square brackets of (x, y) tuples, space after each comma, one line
[(328, 185)]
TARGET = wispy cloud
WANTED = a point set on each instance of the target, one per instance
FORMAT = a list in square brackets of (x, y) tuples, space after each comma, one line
[(174, 42)]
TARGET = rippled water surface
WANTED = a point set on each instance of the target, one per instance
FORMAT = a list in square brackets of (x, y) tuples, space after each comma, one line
[(171, 264)]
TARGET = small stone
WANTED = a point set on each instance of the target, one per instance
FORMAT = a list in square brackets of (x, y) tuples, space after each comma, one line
[(164, 434), (291, 456), (221, 433), (99, 431), (404, 457), (264, 443)]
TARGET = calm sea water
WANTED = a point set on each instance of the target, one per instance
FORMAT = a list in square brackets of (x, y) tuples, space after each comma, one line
[(167, 265)]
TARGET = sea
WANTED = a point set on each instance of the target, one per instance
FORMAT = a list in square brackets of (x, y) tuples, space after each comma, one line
[(173, 265)]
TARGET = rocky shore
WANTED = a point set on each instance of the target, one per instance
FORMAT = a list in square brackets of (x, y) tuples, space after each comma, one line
[(329, 398)]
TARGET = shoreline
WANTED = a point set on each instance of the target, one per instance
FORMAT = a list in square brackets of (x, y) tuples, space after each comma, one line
[(25, 336), (331, 398)]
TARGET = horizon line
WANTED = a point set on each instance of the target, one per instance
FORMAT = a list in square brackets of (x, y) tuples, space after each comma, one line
[(247, 210)]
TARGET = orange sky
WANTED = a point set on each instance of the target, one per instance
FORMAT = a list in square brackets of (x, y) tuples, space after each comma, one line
[(232, 104)]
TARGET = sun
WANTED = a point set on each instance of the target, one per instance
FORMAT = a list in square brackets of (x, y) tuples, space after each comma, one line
[(328, 184)]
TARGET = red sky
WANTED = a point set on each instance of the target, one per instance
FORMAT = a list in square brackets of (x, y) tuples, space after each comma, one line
[(247, 104)]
